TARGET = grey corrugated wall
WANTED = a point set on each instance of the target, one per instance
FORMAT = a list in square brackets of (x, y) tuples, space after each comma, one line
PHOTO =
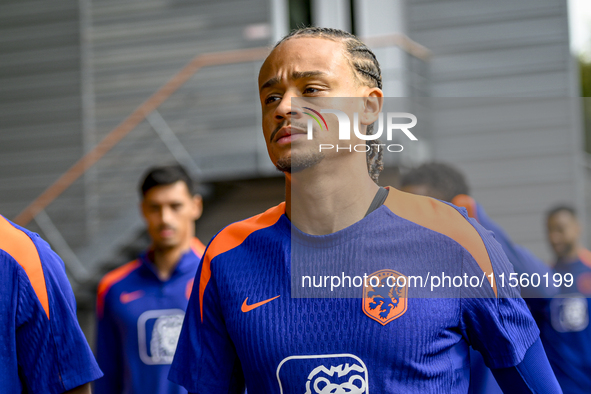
[(520, 156)]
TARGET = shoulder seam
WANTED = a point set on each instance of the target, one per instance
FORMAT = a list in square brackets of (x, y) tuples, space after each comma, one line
[(112, 278), (21, 247), (429, 213), (236, 234)]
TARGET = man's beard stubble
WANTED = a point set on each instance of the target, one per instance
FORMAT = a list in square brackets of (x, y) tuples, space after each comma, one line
[(300, 161)]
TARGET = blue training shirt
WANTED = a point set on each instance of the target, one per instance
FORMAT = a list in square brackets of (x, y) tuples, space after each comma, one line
[(139, 321), (42, 347), (565, 327), (245, 326)]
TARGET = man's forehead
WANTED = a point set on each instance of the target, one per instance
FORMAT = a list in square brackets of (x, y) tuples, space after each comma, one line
[(563, 216), (302, 54), (176, 190)]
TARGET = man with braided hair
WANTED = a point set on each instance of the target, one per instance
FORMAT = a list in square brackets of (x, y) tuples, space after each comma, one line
[(252, 320)]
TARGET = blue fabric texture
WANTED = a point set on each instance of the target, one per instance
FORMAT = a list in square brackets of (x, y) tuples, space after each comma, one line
[(532, 375), (40, 354), (139, 324), (565, 328), (412, 342)]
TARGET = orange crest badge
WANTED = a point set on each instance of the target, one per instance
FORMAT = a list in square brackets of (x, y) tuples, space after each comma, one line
[(385, 296)]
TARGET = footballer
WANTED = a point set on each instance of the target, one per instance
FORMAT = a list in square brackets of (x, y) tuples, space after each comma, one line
[(245, 326)]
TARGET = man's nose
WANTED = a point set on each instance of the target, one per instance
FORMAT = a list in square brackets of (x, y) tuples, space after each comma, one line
[(166, 215), (289, 107)]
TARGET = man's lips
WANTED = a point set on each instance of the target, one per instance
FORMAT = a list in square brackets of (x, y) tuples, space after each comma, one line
[(287, 134), (167, 232)]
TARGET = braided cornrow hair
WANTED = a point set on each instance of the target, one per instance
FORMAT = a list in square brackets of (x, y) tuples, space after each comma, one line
[(367, 69)]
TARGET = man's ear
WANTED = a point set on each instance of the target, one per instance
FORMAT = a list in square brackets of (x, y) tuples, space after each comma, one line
[(372, 106), (197, 206)]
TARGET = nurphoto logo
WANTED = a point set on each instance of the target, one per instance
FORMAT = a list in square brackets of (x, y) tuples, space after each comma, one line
[(392, 124)]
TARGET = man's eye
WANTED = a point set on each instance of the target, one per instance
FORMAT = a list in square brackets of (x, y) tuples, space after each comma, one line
[(271, 99), (310, 90)]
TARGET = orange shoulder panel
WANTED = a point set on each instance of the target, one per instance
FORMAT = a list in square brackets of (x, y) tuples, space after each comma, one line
[(585, 257), (198, 247), (442, 218), (231, 237), (109, 280), (23, 250)]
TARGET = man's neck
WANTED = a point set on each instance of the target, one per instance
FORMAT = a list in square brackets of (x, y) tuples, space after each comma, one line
[(166, 259), (327, 198)]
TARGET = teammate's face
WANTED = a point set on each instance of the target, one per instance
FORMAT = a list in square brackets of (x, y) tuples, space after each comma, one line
[(170, 213), (304, 67), (563, 233)]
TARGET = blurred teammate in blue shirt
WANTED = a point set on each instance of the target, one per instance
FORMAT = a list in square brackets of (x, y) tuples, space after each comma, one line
[(446, 183), (141, 305), (42, 349), (564, 321)]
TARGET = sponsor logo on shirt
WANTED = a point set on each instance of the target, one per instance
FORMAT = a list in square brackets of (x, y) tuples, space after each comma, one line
[(385, 296), (126, 297), (247, 308), (323, 374), (158, 335), (569, 313)]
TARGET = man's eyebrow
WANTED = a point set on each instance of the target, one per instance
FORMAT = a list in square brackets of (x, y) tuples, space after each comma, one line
[(294, 75), (271, 82), (306, 74)]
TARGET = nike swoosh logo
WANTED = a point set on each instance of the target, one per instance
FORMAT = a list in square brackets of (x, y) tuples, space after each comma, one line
[(247, 308), (126, 297)]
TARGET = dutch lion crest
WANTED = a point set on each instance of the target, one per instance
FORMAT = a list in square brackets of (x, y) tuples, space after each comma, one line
[(385, 297)]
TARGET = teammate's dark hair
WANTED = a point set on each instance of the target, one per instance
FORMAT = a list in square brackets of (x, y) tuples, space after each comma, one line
[(561, 208), (367, 70), (166, 175), (441, 178)]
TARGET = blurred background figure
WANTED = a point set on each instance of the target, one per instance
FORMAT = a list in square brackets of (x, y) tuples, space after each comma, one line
[(564, 321), (141, 305), (43, 348), (446, 183)]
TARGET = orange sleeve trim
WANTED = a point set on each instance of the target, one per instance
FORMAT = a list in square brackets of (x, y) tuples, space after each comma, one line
[(441, 218), (18, 244), (231, 237), (198, 247), (109, 280), (585, 257), (189, 288)]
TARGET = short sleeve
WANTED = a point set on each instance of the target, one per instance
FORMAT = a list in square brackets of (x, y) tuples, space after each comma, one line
[(205, 360), (500, 328), (53, 354)]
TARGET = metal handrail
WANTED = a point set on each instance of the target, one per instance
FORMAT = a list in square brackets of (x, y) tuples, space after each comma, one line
[(135, 118)]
